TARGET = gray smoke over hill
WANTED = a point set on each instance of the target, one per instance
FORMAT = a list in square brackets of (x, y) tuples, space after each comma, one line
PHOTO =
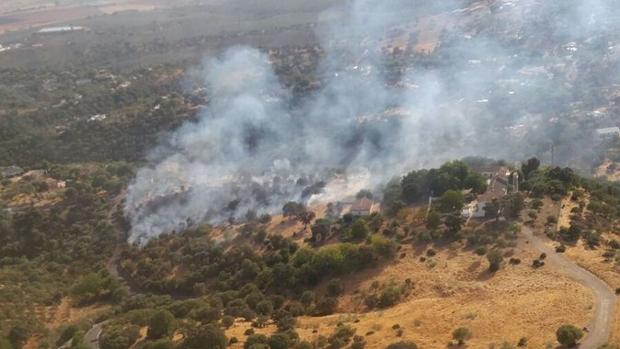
[(506, 80)]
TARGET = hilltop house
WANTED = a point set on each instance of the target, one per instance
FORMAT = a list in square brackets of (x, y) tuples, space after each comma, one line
[(497, 188)]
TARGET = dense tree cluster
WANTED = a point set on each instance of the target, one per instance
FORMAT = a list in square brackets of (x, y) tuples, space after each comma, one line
[(58, 250), (555, 181), (31, 131), (282, 267), (419, 185)]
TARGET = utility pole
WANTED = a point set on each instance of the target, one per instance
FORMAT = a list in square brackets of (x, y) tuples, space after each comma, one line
[(552, 154), (515, 180)]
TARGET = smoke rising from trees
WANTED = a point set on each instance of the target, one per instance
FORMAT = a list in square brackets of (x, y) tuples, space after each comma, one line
[(507, 79)]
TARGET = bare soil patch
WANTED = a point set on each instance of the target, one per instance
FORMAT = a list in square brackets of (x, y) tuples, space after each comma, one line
[(65, 313)]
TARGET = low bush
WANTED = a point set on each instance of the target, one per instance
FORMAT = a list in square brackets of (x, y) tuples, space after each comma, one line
[(403, 345)]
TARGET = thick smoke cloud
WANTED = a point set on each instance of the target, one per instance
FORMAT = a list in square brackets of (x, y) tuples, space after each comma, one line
[(506, 81)]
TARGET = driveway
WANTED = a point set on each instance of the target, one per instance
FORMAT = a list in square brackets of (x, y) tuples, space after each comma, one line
[(604, 297)]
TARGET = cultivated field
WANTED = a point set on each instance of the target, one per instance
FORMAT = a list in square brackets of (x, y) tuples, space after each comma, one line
[(17, 15)]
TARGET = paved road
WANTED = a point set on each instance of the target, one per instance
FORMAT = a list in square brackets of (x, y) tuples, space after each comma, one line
[(600, 325), (91, 338)]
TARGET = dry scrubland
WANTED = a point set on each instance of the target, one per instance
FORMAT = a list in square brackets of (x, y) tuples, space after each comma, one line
[(57, 316), (607, 271), (454, 289), (589, 259), (592, 260)]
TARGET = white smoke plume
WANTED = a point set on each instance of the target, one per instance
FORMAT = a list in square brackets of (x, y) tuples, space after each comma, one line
[(495, 86)]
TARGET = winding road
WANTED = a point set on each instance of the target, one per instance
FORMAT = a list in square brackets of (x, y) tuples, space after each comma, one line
[(599, 328), (91, 338)]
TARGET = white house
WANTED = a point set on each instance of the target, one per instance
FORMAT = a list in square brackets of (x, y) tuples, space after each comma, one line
[(608, 132)]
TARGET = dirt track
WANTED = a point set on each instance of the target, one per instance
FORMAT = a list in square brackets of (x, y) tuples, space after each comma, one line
[(599, 328)]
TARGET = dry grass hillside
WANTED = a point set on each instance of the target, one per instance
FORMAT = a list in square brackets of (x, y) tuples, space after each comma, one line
[(453, 289), (608, 271), (590, 258)]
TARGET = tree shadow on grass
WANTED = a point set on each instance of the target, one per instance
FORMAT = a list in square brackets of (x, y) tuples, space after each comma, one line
[(485, 275)]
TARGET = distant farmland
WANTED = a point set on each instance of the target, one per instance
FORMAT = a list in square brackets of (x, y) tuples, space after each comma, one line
[(33, 17)]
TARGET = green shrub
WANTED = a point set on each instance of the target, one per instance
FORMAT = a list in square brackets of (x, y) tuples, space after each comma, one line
[(255, 340), (358, 342), (119, 337), (371, 301), (451, 201), (461, 335), (359, 230), (536, 204), (164, 343), (66, 334), (341, 336), (568, 335), (403, 345), (227, 321), (5, 344), (390, 296), (334, 287), (279, 341), (162, 324), (382, 246), (18, 336), (608, 346), (433, 220), (326, 306), (208, 336), (307, 298), (94, 287), (495, 259), (264, 307), (304, 345)]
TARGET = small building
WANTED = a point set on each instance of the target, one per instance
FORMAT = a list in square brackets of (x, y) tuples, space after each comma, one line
[(60, 30), (474, 209), (487, 171), (361, 207), (608, 132), (491, 171), (497, 188)]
